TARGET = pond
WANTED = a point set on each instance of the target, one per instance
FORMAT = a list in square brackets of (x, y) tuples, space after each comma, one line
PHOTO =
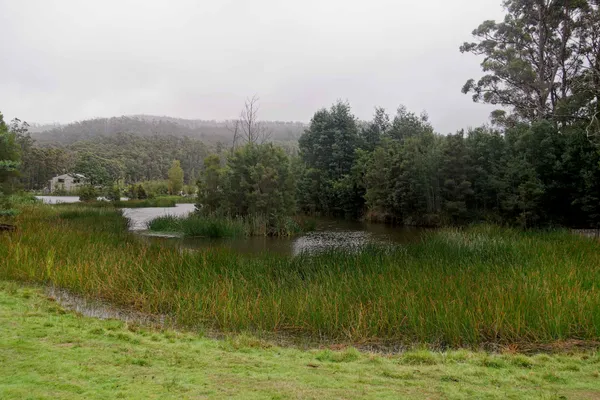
[(341, 235), (329, 233)]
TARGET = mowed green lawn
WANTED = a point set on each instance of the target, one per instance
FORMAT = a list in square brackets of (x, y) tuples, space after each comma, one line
[(47, 352)]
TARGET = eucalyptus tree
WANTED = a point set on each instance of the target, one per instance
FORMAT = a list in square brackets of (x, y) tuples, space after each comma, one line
[(541, 62)]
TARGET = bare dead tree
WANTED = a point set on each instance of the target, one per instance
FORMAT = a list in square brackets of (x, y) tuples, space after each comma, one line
[(252, 130)]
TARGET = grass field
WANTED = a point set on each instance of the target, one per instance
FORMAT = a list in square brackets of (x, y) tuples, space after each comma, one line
[(47, 352), (484, 286)]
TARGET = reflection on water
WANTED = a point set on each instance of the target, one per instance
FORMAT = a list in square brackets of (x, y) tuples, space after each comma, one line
[(314, 242)]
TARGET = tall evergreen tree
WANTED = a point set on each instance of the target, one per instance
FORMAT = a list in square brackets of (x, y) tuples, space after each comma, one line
[(328, 149), (9, 163), (456, 188)]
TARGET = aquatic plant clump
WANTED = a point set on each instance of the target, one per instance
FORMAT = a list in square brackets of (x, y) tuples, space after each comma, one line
[(218, 226)]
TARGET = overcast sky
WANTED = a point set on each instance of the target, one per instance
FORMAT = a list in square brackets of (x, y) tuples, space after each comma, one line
[(67, 60)]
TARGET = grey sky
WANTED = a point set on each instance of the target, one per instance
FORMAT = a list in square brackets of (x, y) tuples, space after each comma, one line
[(66, 60)]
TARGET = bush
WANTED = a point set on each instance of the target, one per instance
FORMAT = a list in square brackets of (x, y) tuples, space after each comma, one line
[(113, 194), (140, 192), (60, 190), (88, 193), (23, 199), (131, 192), (167, 223), (156, 188)]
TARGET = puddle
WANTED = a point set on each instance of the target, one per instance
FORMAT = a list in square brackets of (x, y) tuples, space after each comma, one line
[(102, 310)]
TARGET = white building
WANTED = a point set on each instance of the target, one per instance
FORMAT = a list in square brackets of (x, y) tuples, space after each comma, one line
[(67, 182)]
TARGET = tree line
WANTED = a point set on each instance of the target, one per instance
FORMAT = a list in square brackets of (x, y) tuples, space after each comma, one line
[(122, 157), (537, 164), (401, 171)]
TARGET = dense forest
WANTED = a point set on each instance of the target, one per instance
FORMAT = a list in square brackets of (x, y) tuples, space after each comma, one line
[(537, 164), (104, 160), (131, 149)]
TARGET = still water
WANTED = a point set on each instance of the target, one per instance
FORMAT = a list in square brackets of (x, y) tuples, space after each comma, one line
[(330, 233), (139, 217), (58, 199)]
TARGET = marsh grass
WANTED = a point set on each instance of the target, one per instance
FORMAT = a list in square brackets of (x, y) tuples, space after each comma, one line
[(21, 199), (218, 226), (473, 287)]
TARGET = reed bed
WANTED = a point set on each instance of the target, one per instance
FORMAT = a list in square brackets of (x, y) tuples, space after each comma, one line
[(219, 226), (478, 286)]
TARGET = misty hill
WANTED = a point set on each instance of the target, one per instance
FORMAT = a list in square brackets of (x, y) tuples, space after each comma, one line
[(210, 132)]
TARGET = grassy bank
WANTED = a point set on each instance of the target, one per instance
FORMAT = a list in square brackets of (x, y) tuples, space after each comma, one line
[(49, 353), (157, 202), (180, 199), (216, 226), (481, 286)]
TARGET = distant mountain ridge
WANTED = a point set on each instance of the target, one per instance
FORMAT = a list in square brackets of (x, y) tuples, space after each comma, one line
[(151, 125)]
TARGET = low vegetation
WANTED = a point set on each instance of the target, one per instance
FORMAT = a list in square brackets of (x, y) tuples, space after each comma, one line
[(48, 352), (157, 202), (475, 287), (217, 226)]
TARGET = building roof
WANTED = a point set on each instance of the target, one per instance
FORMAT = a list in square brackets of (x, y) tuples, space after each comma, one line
[(72, 175)]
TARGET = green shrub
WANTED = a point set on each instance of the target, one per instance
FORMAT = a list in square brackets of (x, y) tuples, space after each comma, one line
[(167, 223), (113, 193), (140, 192), (156, 188), (60, 190), (88, 193)]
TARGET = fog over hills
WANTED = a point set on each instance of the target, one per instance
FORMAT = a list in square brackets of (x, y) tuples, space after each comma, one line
[(209, 131)]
